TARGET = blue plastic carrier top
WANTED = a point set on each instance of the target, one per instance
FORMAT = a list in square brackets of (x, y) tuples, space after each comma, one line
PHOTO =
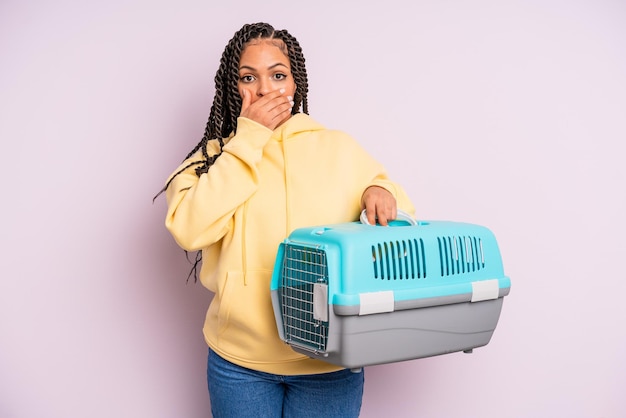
[(430, 263)]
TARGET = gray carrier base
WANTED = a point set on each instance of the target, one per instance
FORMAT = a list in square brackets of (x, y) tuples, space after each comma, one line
[(355, 341)]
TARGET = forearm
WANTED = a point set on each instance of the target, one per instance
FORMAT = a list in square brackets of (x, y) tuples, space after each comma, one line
[(200, 209)]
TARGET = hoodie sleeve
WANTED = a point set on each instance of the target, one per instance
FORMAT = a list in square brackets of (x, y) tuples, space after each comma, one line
[(200, 209)]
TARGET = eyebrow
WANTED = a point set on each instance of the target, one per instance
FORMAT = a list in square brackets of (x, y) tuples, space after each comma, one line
[(271, 67)]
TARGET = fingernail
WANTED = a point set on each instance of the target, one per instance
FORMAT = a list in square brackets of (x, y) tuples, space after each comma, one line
[(282, 91)]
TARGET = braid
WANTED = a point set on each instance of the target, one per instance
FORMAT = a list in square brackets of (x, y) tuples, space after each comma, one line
[(227, 102), (298, 70)]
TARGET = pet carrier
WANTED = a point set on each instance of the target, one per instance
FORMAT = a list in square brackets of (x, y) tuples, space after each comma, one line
[(355, 295)]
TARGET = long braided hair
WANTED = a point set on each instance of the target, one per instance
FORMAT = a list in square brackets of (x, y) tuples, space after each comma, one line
[(227, 101)]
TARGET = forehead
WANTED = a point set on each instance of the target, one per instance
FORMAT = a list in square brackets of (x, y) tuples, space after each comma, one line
[(259, 50)]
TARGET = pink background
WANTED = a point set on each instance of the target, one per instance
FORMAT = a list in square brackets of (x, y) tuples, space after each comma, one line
[(507, 114)]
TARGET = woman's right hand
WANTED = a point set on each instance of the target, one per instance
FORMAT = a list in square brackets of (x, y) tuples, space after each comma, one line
[(270, 110)]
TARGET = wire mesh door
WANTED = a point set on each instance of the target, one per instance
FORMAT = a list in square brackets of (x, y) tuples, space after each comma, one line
[(304, 271)]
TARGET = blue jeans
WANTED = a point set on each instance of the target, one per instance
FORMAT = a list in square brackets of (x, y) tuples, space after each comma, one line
[(239, 392)]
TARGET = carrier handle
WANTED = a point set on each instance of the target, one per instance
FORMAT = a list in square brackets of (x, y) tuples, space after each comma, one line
[(401, 216)]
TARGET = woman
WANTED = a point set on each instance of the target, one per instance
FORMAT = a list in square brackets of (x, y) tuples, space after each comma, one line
[(263, 169)]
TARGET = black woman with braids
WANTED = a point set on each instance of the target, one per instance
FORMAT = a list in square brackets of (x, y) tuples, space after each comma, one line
[(263, 169)]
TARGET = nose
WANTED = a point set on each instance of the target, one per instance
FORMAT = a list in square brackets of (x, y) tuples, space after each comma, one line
[(264, 87)]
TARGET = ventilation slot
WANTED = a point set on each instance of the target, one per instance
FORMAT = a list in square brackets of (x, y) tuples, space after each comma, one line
[(459, 255), (399, 260)]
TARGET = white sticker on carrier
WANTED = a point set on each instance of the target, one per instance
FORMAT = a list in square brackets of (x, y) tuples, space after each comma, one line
[(375, 302), (485, 290)]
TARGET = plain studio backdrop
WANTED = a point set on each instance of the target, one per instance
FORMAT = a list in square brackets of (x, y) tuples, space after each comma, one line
[(509, 114)]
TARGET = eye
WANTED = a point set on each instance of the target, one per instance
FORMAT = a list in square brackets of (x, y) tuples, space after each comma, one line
[(280, 76), (246, 79)]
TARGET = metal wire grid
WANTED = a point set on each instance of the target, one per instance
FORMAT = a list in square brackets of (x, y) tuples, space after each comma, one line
[(302, 268)]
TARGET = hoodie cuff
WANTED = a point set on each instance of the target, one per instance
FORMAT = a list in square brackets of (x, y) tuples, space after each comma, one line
[(251, 136)]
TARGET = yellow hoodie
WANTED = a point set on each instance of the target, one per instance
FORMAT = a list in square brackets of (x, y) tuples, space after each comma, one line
[(264, 185)]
